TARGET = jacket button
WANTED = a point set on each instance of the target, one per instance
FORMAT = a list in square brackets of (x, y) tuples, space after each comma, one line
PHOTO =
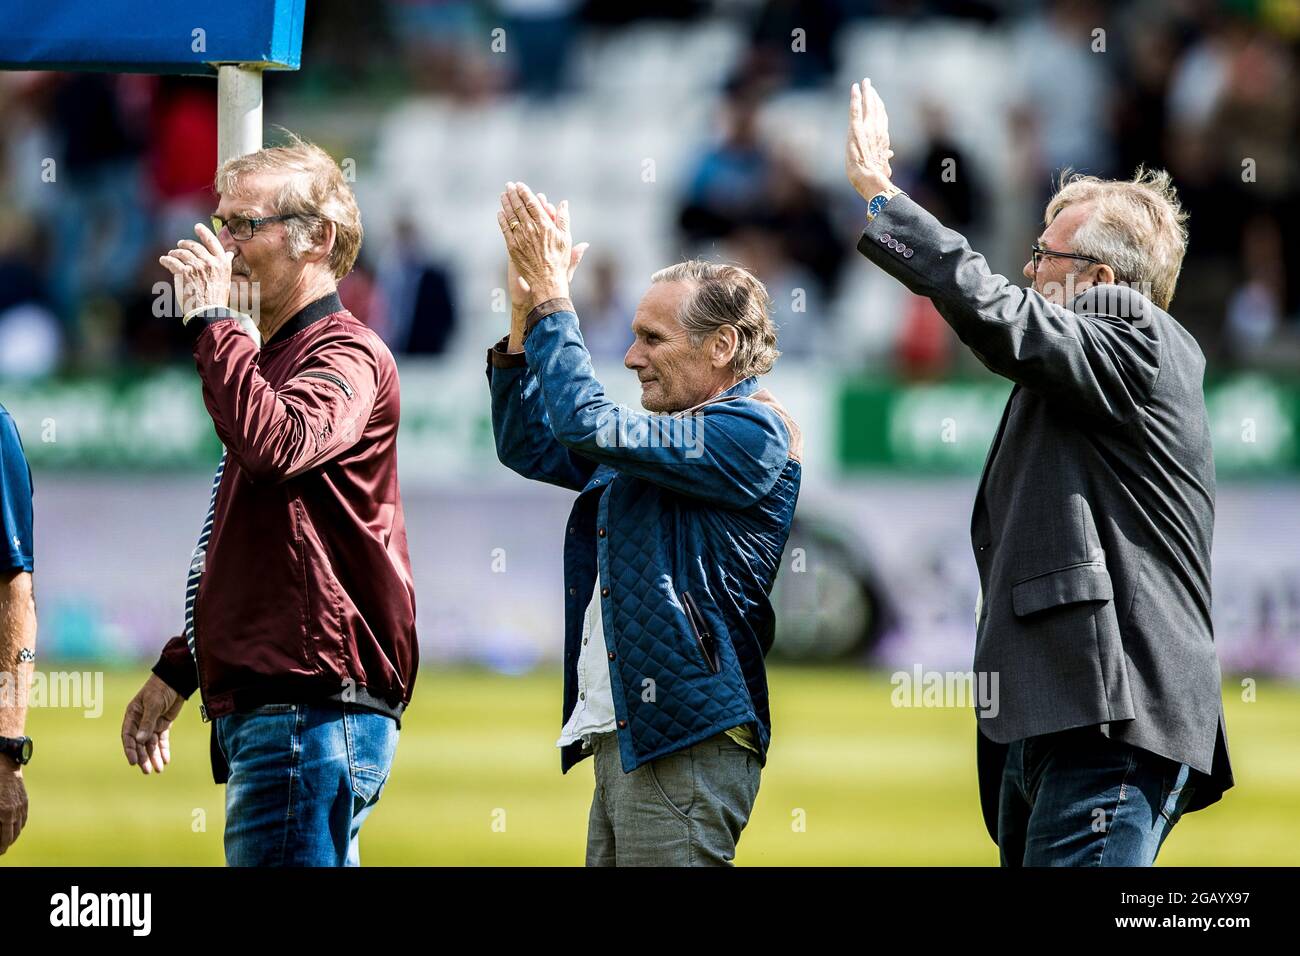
[(611, 655), (622, 724), (604, 592), (573, 590), (907, 254), (600, 533), (570, 530), (884, 237)]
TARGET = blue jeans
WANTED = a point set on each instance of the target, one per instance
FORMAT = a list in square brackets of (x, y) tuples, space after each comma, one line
[(303, 778), (1078, 798)]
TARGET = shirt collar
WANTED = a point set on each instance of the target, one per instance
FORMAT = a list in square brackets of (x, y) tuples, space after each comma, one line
[(742, 389), (312, 312)]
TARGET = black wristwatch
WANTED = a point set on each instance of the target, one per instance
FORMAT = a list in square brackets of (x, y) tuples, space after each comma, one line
[(17, 749)]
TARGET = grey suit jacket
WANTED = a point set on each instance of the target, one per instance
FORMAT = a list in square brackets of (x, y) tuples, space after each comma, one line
[(1094, 514)]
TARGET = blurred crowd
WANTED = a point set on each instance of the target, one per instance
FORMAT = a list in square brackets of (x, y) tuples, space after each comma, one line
[(98, 172)]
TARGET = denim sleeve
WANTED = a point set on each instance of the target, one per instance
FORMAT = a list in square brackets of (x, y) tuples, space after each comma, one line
[(520, 426), (728, 453)]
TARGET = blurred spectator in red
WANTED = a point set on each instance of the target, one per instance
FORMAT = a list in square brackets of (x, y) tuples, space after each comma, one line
[(361, 295), (183, 140), (924, 347), (182, 153)]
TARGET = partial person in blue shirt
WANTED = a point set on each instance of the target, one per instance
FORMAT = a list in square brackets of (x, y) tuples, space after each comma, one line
[(673, 544), (17, 628), (15, 497)]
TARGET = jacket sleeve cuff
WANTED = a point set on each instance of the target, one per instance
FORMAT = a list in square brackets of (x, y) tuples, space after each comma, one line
[(499, 356), (899, 215), (541, 311), (197, 322), (176, 667)]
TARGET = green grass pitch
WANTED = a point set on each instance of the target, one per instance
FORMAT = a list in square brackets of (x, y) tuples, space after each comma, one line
[(851, 780)]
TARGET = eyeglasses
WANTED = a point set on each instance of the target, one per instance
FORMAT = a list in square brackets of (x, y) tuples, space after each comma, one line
[(1037, 252), (241, 228)]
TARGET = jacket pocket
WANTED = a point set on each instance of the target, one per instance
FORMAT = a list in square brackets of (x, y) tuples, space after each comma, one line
[(329, 377), (704, 638), (1068, 585), (1177, 791), (324, 650)]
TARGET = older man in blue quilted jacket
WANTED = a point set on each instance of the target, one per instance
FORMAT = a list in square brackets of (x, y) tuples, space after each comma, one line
[(673, 544)]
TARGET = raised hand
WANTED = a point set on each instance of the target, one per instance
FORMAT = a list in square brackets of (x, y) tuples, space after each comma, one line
[(867, 152), (579, 250), (540, 245), (200, 270), (519, 290)]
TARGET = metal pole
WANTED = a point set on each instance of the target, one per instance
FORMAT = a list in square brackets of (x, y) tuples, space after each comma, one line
[(239, 131), (239, 110)]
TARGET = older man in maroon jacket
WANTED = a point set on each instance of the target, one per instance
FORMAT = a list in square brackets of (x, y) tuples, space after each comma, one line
[(300, 615)]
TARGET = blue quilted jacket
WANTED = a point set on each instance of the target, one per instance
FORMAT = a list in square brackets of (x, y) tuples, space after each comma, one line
[(686, 516)]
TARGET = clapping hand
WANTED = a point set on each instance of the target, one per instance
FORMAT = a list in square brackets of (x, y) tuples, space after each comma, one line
[(537, 235)]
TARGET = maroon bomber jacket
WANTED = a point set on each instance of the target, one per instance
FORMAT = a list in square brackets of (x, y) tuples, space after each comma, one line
[(307, 591)]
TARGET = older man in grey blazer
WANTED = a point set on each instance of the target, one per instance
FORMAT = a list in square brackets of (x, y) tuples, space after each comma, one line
[(1093, 517)]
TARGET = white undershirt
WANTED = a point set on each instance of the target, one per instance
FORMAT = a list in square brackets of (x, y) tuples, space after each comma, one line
[(594, 711)]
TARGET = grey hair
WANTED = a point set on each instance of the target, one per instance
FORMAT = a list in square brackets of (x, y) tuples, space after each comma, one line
[(723, 294), (1137, 227), (316, 191)]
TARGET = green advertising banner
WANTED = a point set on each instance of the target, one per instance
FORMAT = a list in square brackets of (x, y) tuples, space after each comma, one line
[(946, 428), (156, 421)]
